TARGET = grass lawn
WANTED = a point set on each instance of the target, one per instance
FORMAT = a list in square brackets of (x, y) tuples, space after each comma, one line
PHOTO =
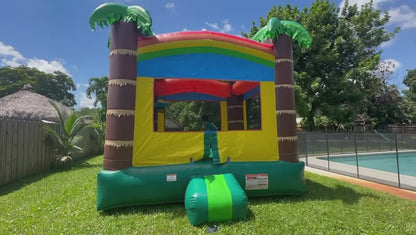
[(64, 202)]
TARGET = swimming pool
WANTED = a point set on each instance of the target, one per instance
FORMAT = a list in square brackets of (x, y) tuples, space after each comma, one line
[(380, 161)]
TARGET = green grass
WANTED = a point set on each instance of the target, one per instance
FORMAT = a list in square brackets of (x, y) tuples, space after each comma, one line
[(64, 202)]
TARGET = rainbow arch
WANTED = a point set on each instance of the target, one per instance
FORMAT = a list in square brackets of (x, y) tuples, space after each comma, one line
[(205, 55)]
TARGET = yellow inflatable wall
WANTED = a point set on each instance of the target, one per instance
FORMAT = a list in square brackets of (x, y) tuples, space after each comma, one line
[(167, 148)]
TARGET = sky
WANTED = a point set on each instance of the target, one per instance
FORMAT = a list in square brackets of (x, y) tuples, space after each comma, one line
[(55, 35)]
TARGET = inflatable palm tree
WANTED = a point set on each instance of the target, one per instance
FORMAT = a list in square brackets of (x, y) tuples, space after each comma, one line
[(282, 33), (126, 24)]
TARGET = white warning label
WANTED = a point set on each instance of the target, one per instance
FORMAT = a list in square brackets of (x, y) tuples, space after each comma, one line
[(257, 181), (171, 177)]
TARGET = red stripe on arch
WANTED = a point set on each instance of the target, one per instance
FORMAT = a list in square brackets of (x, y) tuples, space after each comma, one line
[(241, 87), (165, 87)]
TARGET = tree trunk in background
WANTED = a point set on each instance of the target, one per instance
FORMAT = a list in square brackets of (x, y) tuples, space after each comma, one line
[(118, 148), (285, 100), (235, 112)]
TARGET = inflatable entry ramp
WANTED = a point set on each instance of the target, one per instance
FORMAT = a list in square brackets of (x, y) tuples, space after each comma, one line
[(215, 198)]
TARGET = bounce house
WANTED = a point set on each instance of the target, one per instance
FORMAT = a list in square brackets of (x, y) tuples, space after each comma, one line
[(211, 171)]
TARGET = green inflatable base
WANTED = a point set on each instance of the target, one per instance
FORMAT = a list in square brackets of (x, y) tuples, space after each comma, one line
[(164, 184)]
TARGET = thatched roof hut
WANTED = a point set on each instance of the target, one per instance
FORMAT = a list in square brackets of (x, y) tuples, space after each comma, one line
[(29, 105)]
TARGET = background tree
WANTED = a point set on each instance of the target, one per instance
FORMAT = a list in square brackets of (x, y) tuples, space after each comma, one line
[(410, 81), (335, 78), (409, 99), (386, 107), (386, 103), (56, 86), (187, 114), (99, 88), (253, 113), (86, 111)]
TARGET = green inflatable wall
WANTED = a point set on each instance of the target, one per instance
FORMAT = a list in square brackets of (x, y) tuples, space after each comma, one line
[(164, 184), (215, 198)]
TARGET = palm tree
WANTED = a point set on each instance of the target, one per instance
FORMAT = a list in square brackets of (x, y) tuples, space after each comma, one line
[(66, 141), (98, 87), (127, 23), (282, 33)]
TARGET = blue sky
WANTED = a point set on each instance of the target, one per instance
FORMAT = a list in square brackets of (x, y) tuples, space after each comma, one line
[(55, 35)]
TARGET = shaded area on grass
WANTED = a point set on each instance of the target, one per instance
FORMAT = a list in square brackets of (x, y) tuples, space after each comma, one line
[(316, 192), (23, 182), (174, 209), (170, 210)]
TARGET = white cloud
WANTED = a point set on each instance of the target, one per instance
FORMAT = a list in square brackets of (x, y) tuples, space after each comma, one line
[(403, 16), (225, 28), (84, 85), (10, 62), (388, 43), (185, 30), (84, 101), (376, 3), (11, 57), (170, 5), (214, 26), (6, 50), (47, 66), (204, 29)]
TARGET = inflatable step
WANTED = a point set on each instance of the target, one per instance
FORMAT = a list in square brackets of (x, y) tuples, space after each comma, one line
[(215, 198)]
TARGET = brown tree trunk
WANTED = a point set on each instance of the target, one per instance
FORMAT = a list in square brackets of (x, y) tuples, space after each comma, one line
[(285, 100), (118, 148)]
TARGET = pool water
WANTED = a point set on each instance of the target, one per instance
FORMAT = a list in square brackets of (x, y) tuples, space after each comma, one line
[(381, 161)]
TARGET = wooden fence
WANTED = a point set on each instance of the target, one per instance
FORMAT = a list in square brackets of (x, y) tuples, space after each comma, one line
[(24, 151)]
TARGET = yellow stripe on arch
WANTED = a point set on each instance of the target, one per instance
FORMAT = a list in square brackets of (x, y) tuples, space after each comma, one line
[(205, 43)]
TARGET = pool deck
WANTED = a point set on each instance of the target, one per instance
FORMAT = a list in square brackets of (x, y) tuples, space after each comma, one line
[(403, 193)]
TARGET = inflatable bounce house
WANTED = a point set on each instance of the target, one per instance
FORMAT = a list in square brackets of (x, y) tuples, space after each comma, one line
[(211, 171)]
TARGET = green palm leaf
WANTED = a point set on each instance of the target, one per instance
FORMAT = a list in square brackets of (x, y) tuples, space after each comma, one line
[(61, 118), (271, 30), (76, 140), (298, 33), (275, 27), (141, 17), (69, 123), (109, 13), (78, 125)]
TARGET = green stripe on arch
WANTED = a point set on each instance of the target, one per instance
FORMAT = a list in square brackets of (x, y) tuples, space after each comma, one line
[(220, 202), (213, 50)]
